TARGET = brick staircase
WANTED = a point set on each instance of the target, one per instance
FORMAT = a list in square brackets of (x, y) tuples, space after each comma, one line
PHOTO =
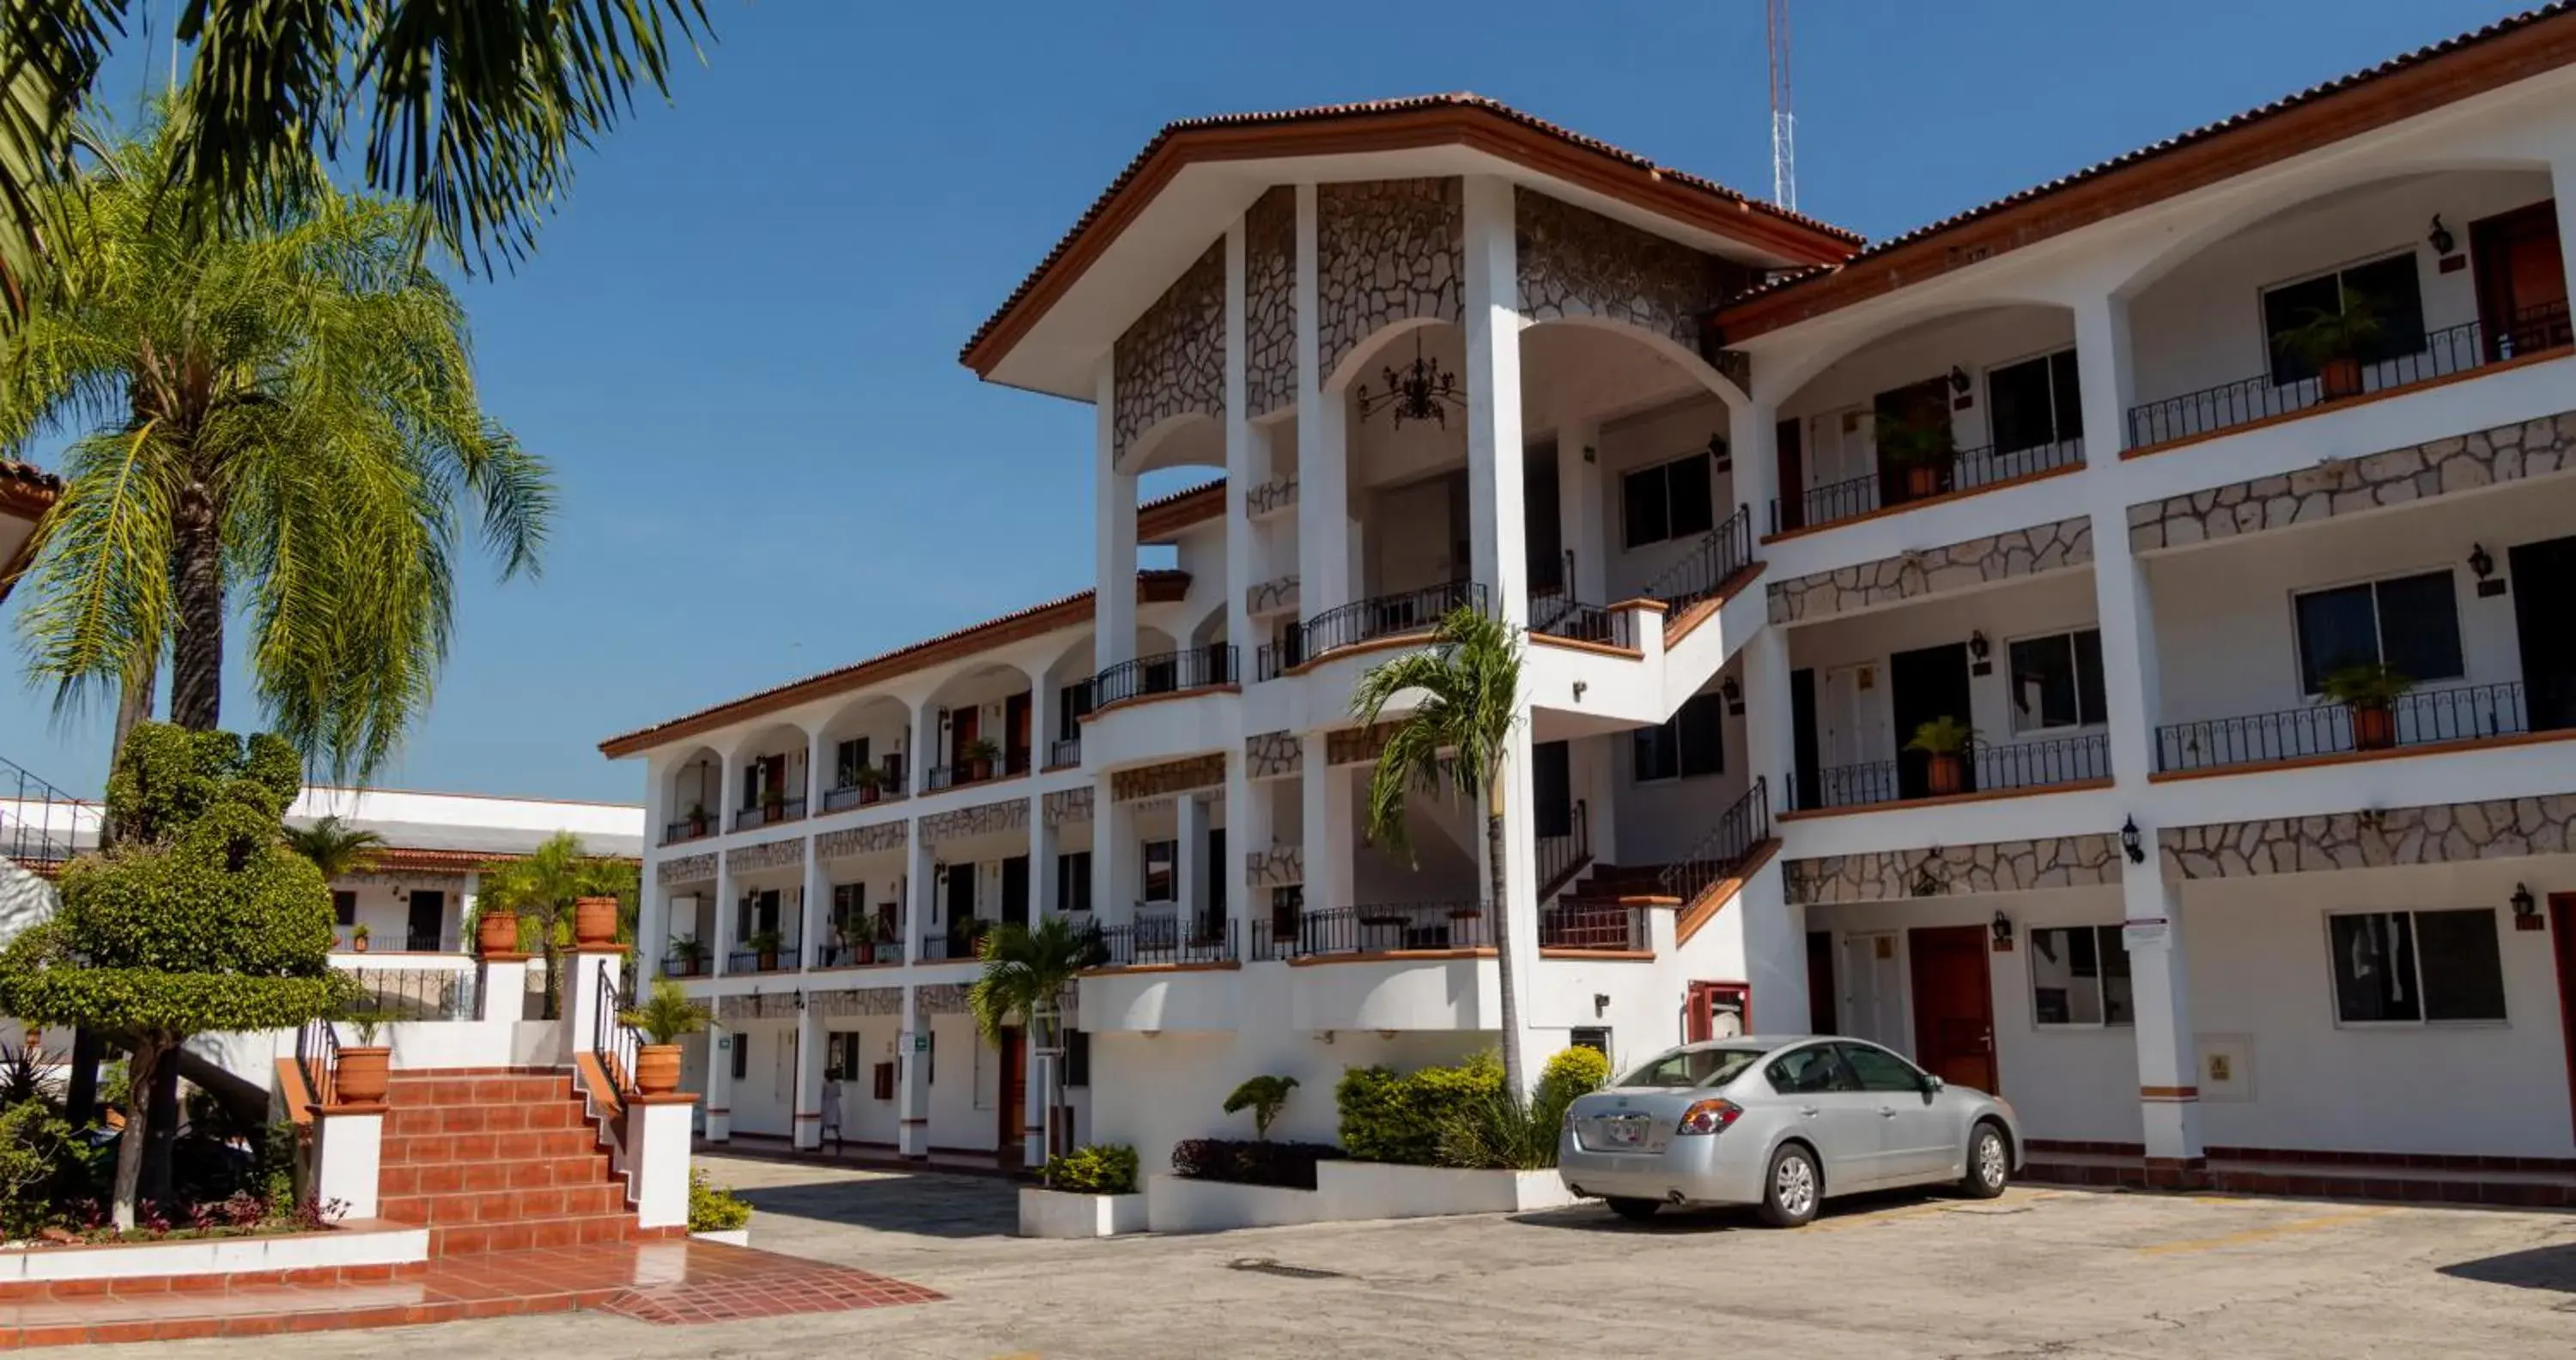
[(493, 1160), (1599, 911)]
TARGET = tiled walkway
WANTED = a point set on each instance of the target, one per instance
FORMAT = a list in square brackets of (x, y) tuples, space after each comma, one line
[(663, 1282)]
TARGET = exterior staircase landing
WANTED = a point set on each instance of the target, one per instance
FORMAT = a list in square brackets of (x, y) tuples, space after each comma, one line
[(498, 1161)]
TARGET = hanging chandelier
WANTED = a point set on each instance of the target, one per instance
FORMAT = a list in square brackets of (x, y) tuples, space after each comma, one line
[(1422, 390)]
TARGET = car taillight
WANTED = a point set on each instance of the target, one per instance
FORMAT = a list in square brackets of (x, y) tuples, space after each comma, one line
[(1709, 1116)]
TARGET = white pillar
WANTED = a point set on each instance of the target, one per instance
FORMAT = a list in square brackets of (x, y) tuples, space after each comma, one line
[(720, 950), (720, 1049), (594, 971), (1328, 829), (1113, 534), (813, 922), (2103, 374), (657, 1158), (1498, 521), (1323, 472), (348, 1156), (922, 883), (806, 1130), (1043, 839), (2168, 1056), (504, 986), (1768, 729), (1581, 523), (1242, 453), (473, 894), (1753, 453), (912, 1102), (1247, 833), (1189, 869), (1110, 827), (1033, 1094), (925, 745)]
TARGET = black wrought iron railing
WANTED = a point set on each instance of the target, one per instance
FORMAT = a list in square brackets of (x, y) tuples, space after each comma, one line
[(2463, 713), (1064, 752), (1962, 470), (416, 942), (1984, 768), (757, 960), (690, 828), (317, 1056), (767, 813), (1711, 563), (1562, 856), (886, 787), (415, 993), (1164, 937), (2452, 349), (1616, 927), (682, 965), (1740, 830), (863, 954), (964, 773), (1558, 617), (1379, 928), (1411, 611), (1168, 673), (614, 1040), (41, 824), (948, 947)]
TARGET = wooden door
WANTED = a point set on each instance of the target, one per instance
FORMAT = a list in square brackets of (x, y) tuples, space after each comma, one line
[(1015, 723), (1793, 478), (1954, 1005), (1820, 982), (1873, 990), (1013, 1107), (425, 921), (2522, 280), (964, 725), (1923, 403), (2562, 942), (2544, 599)]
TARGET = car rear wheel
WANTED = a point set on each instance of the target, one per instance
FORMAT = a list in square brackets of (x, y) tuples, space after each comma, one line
[(1989, 1162), (1791, 1189), (1633, 1210)]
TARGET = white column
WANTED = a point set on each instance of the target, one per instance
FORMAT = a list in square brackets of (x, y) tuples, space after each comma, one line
[(1042, 731), (815, 922), (1189, 876), (657, 1154), (1242, 454), (720, 949), (348, 1156), (1043, 839), (806, 1129), (503, 987), (1498, 522), (2562, 180), (1753, 451), (720, 1046), (912, 1099), (1247, 832), (585, 995), (1580, 521), (921, 882), (1033, 1149), (2168, 1056), (818, 771), (1114, 533), (1768, 729), (925, 744), (1328, 829), (2103, 374), (1323, 472), (1108, 829)]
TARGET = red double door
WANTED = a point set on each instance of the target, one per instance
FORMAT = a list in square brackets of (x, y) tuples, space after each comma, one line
[(1954, 1005)]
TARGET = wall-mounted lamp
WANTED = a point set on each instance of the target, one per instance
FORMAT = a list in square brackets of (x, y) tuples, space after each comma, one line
[(1959, 382), (1579, 687), (1591, 454), (2440, 238), (2002, 928), (1732, 691), (1978, 647), (1600, 1004), (2481, 561), (2131, 843), (2526, 908)]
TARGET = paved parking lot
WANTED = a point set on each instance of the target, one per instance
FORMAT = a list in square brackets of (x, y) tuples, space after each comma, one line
[(2037, 1273)]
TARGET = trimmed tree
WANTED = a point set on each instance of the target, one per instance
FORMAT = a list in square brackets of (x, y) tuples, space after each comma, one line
[(201, 920)]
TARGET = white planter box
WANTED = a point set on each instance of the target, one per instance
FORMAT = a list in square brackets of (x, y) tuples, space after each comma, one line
[(1179, 1204), (1366, 1190), (1060, 1213), (731, 1237), (390, 1245)]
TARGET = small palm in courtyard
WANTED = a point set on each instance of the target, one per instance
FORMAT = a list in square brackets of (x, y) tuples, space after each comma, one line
[(1026, 972), (335, 847), (1265, 1097), (1454, 739)]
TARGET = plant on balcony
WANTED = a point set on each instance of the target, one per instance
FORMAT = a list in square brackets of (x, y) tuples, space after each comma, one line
[(1027, 971), (2333, 343), (979, 756), (666, 1016), (1944, 742), (688, 953), (764, 945), (773, 803), (2370, 691), (1454, 740), (870, 782), (1923, 446), (358, 937), (335, 849), (1265, 1097), (697, 820)]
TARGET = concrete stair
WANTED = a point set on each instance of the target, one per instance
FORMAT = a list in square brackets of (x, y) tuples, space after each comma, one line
[(498, 1161), (1601, 911)]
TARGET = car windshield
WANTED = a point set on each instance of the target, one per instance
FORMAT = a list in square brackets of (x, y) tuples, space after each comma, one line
[(1694, 1067)]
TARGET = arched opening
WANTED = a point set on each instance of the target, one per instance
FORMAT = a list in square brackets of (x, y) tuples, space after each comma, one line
[(864, 749), (1068, 683), (1189, 439), (773, 782), (983, 726), (693, 797)]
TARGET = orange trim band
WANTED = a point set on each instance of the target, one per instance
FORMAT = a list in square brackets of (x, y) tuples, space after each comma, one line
[(1701, 611), (1594, 648), (1606, 955), (1121, 970), (1141, 700), (1392, 956), (2540, 356), (1950, 800), (2430, 748), (2168, 1093), (1390, 643), (1944, 498)]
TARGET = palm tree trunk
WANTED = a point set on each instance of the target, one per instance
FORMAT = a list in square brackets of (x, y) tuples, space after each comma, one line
[(142, 1065), (1498, 885), (197, 576)]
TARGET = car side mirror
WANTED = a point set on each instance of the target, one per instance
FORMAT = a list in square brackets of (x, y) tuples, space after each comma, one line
[(1931, 1084)]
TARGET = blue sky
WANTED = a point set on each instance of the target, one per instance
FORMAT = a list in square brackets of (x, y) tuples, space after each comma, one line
[(738, 343)]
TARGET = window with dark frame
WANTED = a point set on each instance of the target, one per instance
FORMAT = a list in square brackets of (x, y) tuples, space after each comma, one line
[(1073, 881), (848, 759), (741, 1056), (2057, 681), (2390, 286), (1162, 871), (1077, 1057), (2079, 975), (2416, 967), (1667, 501), (2035, 403), (1690, 744), (2410, 623), (344, 907)]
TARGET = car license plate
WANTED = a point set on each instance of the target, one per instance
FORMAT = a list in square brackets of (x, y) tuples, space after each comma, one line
[(1625, 1130)]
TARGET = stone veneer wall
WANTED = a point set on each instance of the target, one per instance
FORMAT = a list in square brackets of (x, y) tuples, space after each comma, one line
[(1279, 866), (1167, 779), (766, 855), (1172, 361), (863, 840), (1067, 805), (2444, 467), (1955, 870), (1270, 302), (686, 868), (1274, 755), (1273, 595), (1356, 745), (1910, 576), (2441, 833), (1279, 493), (1577, 263), (984, 819), (936, 998), (1386, 251)]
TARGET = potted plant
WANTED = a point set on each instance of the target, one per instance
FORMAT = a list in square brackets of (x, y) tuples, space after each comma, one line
[(773, 803), (870, 782), (364, 1069), (980, 755), (1945, 741), (686, 954), (1922, 446), (2333, 343), (496, 931), (889, 932), (666, 1016), (594, 922), (765, 945), (2371, 691), (697, 820), (358, 938)]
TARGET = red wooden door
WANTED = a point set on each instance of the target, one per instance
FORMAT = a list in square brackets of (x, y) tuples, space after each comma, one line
[(2562, 942), (1954, 1005), (1008, 1138), (2521, 280)]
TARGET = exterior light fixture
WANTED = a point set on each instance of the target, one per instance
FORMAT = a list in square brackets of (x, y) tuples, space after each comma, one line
[(1601, 1000), (1732, 691), (2132, 843), (1959, 382), (2481, 561), (2440, 238), (1978, 647), (2525, 906), (1422, 390), (2003, 932)]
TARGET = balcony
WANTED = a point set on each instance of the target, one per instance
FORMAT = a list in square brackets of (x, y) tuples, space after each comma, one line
[(690, 829), (864, 954), (1985, 769), (1199, 668), (1064, 753), (1383, 928), (949, 946), (769, 812), (1361, 621), (862, 788), (1954, 474), (778, 957), (966, 773), (2324, 732), (2446, 353), (1581, 927), (1161, 939)]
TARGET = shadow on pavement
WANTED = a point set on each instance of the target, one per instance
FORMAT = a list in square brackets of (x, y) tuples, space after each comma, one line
[(2538, 1268), (927, 1205)]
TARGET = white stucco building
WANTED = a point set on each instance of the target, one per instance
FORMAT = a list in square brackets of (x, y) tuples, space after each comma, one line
[(2080, 470)]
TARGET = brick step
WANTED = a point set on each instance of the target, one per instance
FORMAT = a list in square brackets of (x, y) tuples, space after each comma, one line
[(449, 1178), (428, 1149), (467, 1239), (409, 1121), (500, 1206), (433, 1088)]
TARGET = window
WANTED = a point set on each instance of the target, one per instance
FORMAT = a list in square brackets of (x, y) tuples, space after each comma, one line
[(842, 1054), (741, 1055), (1073, 881), (1077, 1057), (1594, 1037), (1880, 1070), (2388, 286), (881, 1081), (2079, 975), (2412, 623), (1668, 500), (2414, 966), (1072, 705), (848, 759), (1162, 872), (1810, 1070), (2035, 402), (1690, 745), (850, 916), (344, 907), (2057, 681)]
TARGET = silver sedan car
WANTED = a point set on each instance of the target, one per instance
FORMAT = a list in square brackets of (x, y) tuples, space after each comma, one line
[(1781, 1123)]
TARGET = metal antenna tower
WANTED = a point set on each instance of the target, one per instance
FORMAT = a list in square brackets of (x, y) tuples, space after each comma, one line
[(1784, 123)]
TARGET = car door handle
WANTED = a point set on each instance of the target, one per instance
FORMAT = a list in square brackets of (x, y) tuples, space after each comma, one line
[(1886, 1112), (1808, 1111)]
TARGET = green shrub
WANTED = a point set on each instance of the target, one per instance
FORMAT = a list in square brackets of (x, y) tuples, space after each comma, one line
[(1263, 1096), (1100, 1169), (1571, 1073), (1498, 1131), (33, 1147), (714, 1208), (1387, 1116)]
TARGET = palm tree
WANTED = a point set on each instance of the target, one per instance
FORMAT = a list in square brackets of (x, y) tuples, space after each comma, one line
[(335, 848), (472, 109), (542, 889), (282, 422), (1026, 972), (1454, 739)]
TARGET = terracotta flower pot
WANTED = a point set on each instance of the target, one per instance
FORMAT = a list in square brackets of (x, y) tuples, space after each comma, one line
[(657, 1068), (594, 921), (362, 1075), (2373, 729), (2339, 378), (497, 932), (1946, 774), (1921, 480)]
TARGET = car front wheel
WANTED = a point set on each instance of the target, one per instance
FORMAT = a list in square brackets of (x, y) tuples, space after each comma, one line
[(1633, 1210), (1792, 1189), (1989, 1162)]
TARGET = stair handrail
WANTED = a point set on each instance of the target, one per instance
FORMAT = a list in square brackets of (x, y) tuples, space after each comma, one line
[(32, 840), (611, 1038), (1739, 831), (317, 1056)]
